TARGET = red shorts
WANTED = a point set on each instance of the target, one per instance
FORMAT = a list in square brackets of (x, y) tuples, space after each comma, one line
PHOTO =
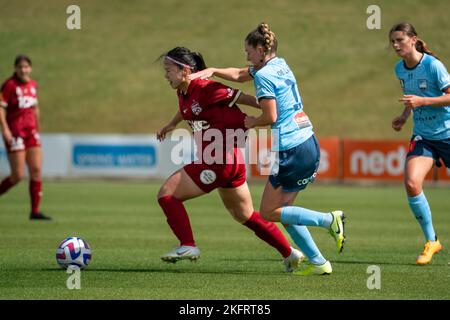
[(211, 176), (23, 139)]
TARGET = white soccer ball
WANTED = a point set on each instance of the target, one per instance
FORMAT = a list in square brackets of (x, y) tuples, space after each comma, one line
[(73, 251)]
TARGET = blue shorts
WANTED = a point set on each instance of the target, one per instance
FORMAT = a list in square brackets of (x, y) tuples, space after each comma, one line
[(297, 167), (438, 150)]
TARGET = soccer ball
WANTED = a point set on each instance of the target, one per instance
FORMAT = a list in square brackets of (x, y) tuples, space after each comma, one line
[(73, 251)]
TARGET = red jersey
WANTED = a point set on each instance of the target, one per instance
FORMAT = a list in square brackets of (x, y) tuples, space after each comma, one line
[(18, 99), (211, 105)]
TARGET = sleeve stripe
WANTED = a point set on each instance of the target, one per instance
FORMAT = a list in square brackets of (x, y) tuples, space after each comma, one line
[(266, 97), (445, 87), (236, 97)]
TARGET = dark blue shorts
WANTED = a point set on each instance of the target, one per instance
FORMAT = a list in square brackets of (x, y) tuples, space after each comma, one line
[(438, 150), (297, 167)]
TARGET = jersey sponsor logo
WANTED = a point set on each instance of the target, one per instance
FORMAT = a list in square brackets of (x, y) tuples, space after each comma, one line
[(25, 101), (423, 84), (195, 107), (302, 120), (198, 125), (208, 176), (305, 181)]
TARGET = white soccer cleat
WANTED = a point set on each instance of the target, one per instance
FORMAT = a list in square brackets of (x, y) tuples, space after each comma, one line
[(295, 258), (182, 253)]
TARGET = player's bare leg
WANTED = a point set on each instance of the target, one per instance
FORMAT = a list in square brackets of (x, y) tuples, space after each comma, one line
[(34, 163), (17, 165), (416, 169), (177, 188), (272, 203)]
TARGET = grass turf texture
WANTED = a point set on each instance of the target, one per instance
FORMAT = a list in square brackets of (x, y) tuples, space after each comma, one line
[(127, 231), (105, 70)]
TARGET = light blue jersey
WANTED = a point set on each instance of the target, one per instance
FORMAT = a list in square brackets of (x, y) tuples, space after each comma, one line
[(276, 81), (427, 79)]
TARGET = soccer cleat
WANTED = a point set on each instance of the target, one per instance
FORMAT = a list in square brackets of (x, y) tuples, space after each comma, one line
[(337, 230), (39, 216), (295, 258), (311, 270), (182, 253), (430, 248)]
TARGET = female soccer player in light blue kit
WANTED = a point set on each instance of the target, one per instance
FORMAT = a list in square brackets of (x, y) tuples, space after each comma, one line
[(426, 87), (297, 149)]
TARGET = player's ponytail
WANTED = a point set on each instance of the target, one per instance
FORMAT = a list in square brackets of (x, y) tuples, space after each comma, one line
[(410, 31), (263, 36), (199, 61), (183, 58), (421, 46)]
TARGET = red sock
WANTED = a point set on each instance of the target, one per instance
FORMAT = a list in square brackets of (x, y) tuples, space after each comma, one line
[(35, 195), (178, 219), (5, 185), (269, 232)]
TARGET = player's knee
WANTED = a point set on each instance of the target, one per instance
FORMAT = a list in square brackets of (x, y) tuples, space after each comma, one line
[(413, 187), (164, 191), (16, 177), (35, 173)]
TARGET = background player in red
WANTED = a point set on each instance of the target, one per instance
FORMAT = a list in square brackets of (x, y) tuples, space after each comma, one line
[(209, 105), (19, 120)]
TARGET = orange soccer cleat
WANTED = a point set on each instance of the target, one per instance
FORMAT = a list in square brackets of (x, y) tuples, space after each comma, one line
[(431, 247)]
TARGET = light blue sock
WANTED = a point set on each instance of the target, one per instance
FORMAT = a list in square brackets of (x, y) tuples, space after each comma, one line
[(305, 217), (303, 239), (421, 209)]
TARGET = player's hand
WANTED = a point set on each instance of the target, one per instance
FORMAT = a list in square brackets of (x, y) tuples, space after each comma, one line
[(161, 134), (250, 122), (412, 101), (7, 135), (398, 123), (204, 74)]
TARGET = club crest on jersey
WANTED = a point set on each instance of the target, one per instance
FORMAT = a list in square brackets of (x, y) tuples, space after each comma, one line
[(423, 84), (230, 92), (195, 107), (208, 176)]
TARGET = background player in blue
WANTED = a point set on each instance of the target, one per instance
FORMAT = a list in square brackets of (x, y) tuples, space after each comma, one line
[(426, 87), (294, 141)]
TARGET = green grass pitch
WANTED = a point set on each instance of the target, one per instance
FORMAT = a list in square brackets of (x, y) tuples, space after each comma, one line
[(127, 231)]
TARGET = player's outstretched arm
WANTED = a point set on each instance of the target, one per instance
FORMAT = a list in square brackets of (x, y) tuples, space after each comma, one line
[(161, 134), (248, 100), (230, 74)]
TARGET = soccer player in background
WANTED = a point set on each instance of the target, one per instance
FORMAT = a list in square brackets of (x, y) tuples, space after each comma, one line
[(426, 88), (294, 141), (19, 120), (211, 106)]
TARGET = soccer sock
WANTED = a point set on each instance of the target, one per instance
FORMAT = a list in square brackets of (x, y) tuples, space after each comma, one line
[(421, 209), (35, 188), (305, 217), (303, 239), (5, 185), (269, 232), (178, 219)]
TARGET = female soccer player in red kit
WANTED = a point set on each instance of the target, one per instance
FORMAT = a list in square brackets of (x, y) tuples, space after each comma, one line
[(209, 105), (19, 120)]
